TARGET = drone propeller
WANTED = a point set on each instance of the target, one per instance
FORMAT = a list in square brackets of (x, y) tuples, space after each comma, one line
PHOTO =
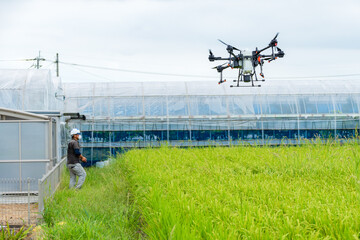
[(280, 53), (276, 36), (211, 56), (229, 47), (274, 41), (221, 67)]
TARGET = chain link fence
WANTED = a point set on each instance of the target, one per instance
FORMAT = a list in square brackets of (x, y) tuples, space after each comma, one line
[(20, 203), (49, 183), (18, 207)]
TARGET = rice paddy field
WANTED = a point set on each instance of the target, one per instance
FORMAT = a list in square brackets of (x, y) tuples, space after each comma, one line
[(307, 192)]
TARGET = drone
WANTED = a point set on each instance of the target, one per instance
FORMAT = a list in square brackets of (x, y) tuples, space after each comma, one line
[(246, 62)]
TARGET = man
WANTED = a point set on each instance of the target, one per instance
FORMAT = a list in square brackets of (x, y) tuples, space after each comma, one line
[(73, 160)]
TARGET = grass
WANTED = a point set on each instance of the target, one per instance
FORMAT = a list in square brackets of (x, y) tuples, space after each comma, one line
[(100, 210), (308, 192)]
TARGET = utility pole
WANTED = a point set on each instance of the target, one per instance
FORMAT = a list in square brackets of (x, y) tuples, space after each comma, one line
[(38, 59), (57, 64)]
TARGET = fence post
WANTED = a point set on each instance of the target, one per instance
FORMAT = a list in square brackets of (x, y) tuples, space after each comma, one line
[(40, 197), (28, 187), (51, 181)]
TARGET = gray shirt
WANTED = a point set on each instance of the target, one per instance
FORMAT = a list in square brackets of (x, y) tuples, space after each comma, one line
[(72, 158)]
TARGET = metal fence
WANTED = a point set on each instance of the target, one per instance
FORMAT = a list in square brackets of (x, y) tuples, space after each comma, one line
[(24, 207), (18, 207), (49, 183)]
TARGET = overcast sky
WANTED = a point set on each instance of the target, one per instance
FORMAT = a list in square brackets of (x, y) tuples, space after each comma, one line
[(319, 37)]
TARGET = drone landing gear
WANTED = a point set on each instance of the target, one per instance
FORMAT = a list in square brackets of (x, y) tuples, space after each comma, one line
[(245, 86), (221, 80), (246, 78)]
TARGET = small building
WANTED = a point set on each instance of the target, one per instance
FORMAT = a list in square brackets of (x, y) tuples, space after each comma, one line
[(28, 147)]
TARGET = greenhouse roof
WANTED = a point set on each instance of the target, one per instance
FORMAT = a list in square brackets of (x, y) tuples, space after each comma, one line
[(107, 89), (206, 99), (36, 90), (30, 89)]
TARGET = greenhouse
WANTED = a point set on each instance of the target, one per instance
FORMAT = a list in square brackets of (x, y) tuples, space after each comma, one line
[(123, 115), (29, 90), (29, 126)]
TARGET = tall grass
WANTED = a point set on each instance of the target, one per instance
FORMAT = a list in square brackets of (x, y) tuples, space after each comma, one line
[(100, 210), (308, 192)]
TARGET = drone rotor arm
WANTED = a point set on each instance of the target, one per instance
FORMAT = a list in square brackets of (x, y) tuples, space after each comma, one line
[(212, 58), (261, 50), (234, 56)]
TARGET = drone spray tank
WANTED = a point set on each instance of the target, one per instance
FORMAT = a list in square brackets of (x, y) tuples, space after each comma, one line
[(247, 65)]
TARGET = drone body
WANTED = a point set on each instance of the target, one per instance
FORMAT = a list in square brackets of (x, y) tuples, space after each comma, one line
[(247, 62)]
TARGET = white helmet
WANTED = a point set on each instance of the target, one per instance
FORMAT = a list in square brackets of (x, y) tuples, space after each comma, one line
[(74, 132)]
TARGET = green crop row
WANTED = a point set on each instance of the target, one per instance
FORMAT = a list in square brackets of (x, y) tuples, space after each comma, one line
[(309, 192)]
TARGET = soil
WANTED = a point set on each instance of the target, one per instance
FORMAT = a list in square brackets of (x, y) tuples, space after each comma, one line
[(17, 214)]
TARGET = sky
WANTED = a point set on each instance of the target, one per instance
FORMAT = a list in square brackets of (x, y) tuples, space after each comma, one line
[(169, 40)]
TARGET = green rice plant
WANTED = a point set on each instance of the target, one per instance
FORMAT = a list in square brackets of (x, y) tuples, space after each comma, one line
[(305, 192), (248, 192)]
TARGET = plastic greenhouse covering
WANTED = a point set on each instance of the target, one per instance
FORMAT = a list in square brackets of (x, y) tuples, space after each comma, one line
[(29, 90), (188, 113), (200, 99)]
